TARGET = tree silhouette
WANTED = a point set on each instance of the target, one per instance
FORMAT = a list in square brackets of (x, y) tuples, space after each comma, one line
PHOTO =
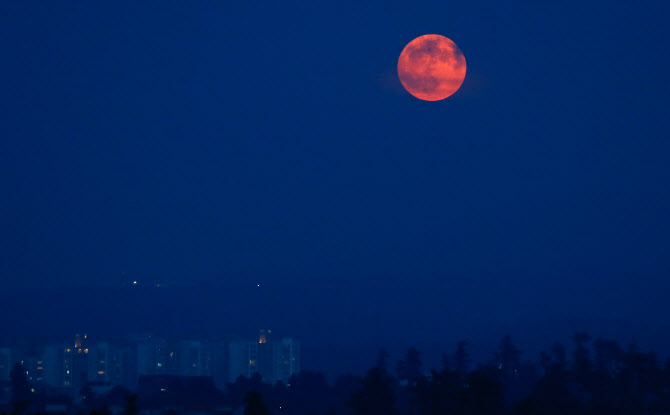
[(86, 394), (581, 358), (255, 404), (342, 390), (560, 359), (410, 368), (102, 411), (376, 396), (131, 405), (238, 390), (507, 358), (309, 391), (608, 356), (440, 393), (115, 396), (486, 393), (21, 395), (462, 358)]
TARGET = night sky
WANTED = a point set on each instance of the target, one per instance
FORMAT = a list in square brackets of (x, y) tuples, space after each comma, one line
[(235, 143)]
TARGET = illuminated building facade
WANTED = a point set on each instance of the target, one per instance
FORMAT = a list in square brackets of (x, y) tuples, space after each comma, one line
[(152, 356), (264, 336), (34, 367), (54, 358), (66, 366), (99, 363), (79, 363), (242, 359), (285, 360), (273, 360), (194, 358)]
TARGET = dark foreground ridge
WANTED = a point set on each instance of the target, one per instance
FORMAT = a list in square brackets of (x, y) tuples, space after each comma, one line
[(593, 377)]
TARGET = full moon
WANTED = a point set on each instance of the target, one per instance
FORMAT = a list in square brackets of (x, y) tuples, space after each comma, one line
[(431, 67)]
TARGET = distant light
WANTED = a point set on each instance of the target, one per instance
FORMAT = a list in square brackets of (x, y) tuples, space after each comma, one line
[(163, 389), (134, 282), (258, 285)]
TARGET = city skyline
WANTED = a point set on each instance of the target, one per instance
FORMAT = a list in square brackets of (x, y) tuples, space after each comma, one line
[(121, 362)]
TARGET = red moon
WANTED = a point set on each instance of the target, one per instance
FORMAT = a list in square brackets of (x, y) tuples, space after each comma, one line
[(431, 67)]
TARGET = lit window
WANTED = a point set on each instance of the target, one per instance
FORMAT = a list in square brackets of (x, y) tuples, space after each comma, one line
[(101, 372)]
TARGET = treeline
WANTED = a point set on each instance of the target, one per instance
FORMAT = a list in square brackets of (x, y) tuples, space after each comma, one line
[(589, 377)]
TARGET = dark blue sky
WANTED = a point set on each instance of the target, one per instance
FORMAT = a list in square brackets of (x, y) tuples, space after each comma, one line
[(243, 142)]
